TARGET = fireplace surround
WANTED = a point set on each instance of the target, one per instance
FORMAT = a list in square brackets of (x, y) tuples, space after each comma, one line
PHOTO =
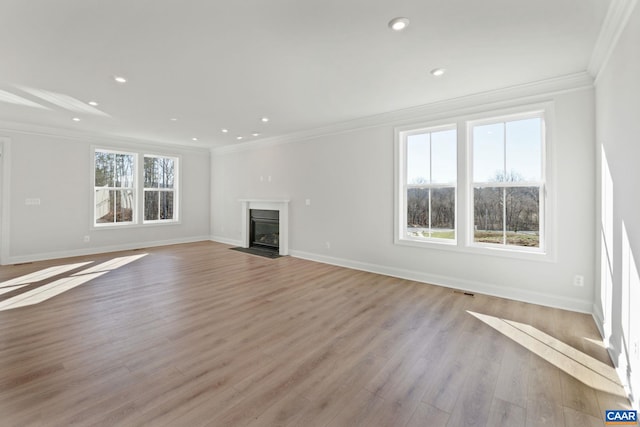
[(279, 205)]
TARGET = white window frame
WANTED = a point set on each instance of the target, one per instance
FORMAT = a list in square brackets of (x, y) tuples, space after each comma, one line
[(132, 188), (464, 197), (401, 147), (138, 188), (504, 185), (174, 189)]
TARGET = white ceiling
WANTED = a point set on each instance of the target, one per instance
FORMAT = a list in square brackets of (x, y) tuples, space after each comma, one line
[(305, 64)]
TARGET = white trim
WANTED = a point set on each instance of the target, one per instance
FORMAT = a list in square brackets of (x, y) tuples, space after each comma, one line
[(103, 249), (470, 104), (134, 189), (598, 318), (176, 189), (464, 216), (566, 303), (96, 139), (226, 240), (5, 201), (539, 111), (280, 205), (614, 24)]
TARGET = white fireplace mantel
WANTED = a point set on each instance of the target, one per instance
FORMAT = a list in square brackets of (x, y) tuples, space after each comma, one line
[(280, 205)]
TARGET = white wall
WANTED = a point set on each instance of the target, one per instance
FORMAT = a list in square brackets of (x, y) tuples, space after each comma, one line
[(349, 178), (617, 294), (56, 170)]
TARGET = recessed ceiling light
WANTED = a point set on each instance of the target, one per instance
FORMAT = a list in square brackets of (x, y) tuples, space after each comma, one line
[(255, 134), (224, 130), (93, 103), (173, 119), (194, 139), (76, 119), (264, 119), (437, 72), (119, 79), (239, 138), (398, 24)]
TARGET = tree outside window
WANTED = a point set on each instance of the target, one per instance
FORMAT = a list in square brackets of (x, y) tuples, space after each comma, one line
[(508, 182), (114, 191), (159, 188), (430, 184)]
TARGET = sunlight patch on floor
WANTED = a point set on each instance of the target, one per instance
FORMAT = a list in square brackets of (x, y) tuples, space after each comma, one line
[(579, 365), (51, 289)]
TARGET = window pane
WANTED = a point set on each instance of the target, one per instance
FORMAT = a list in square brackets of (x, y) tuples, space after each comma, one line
[(150, 167), (124, 170), (104, 163), (443, 213), (487, 211), (166, 204), (488, 152), (418, 212), (165, 177), (524, 149), (124, 205), (418, 159), (151, 203), (443, 157), (523, 216), (105, 200)]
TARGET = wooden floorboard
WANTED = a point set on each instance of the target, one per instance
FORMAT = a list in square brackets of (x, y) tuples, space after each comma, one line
[(199, 335)]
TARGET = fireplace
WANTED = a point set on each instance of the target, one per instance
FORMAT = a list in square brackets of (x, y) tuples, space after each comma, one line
[(264, 231), (281, 207)]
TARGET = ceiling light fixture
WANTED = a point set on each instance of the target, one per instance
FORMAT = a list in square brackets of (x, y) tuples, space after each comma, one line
[(437, 72), (264, 119), (76, 119), (238, 138), (194, 139), (255, 134), (398, 24), (93, 103), (119, 79), (224, 130), (173, 119)]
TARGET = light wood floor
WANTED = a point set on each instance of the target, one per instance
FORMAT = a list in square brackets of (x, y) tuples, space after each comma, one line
[(197, 334)]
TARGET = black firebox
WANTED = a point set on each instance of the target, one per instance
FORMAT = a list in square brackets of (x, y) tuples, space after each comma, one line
[(264, 231)]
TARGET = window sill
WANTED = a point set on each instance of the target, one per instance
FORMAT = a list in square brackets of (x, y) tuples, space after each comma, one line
[(453, 246), (146, 224)]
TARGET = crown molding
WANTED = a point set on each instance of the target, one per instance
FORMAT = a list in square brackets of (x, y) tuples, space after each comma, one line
[(533, 91), (614, 23), (88, 137)]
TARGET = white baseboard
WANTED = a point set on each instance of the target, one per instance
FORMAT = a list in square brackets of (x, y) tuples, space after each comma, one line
[(226, 240), (598, 318), (101, 249), (456, 283)]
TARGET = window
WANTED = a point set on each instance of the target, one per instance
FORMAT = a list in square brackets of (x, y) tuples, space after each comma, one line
[(114, 195), (507, 181), (159, 188), (485, 191), (429, 184), (125, 180)]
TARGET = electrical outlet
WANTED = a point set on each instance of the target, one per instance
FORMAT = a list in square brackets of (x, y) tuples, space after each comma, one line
[(87, 239), (578, 280), (307, 202)]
